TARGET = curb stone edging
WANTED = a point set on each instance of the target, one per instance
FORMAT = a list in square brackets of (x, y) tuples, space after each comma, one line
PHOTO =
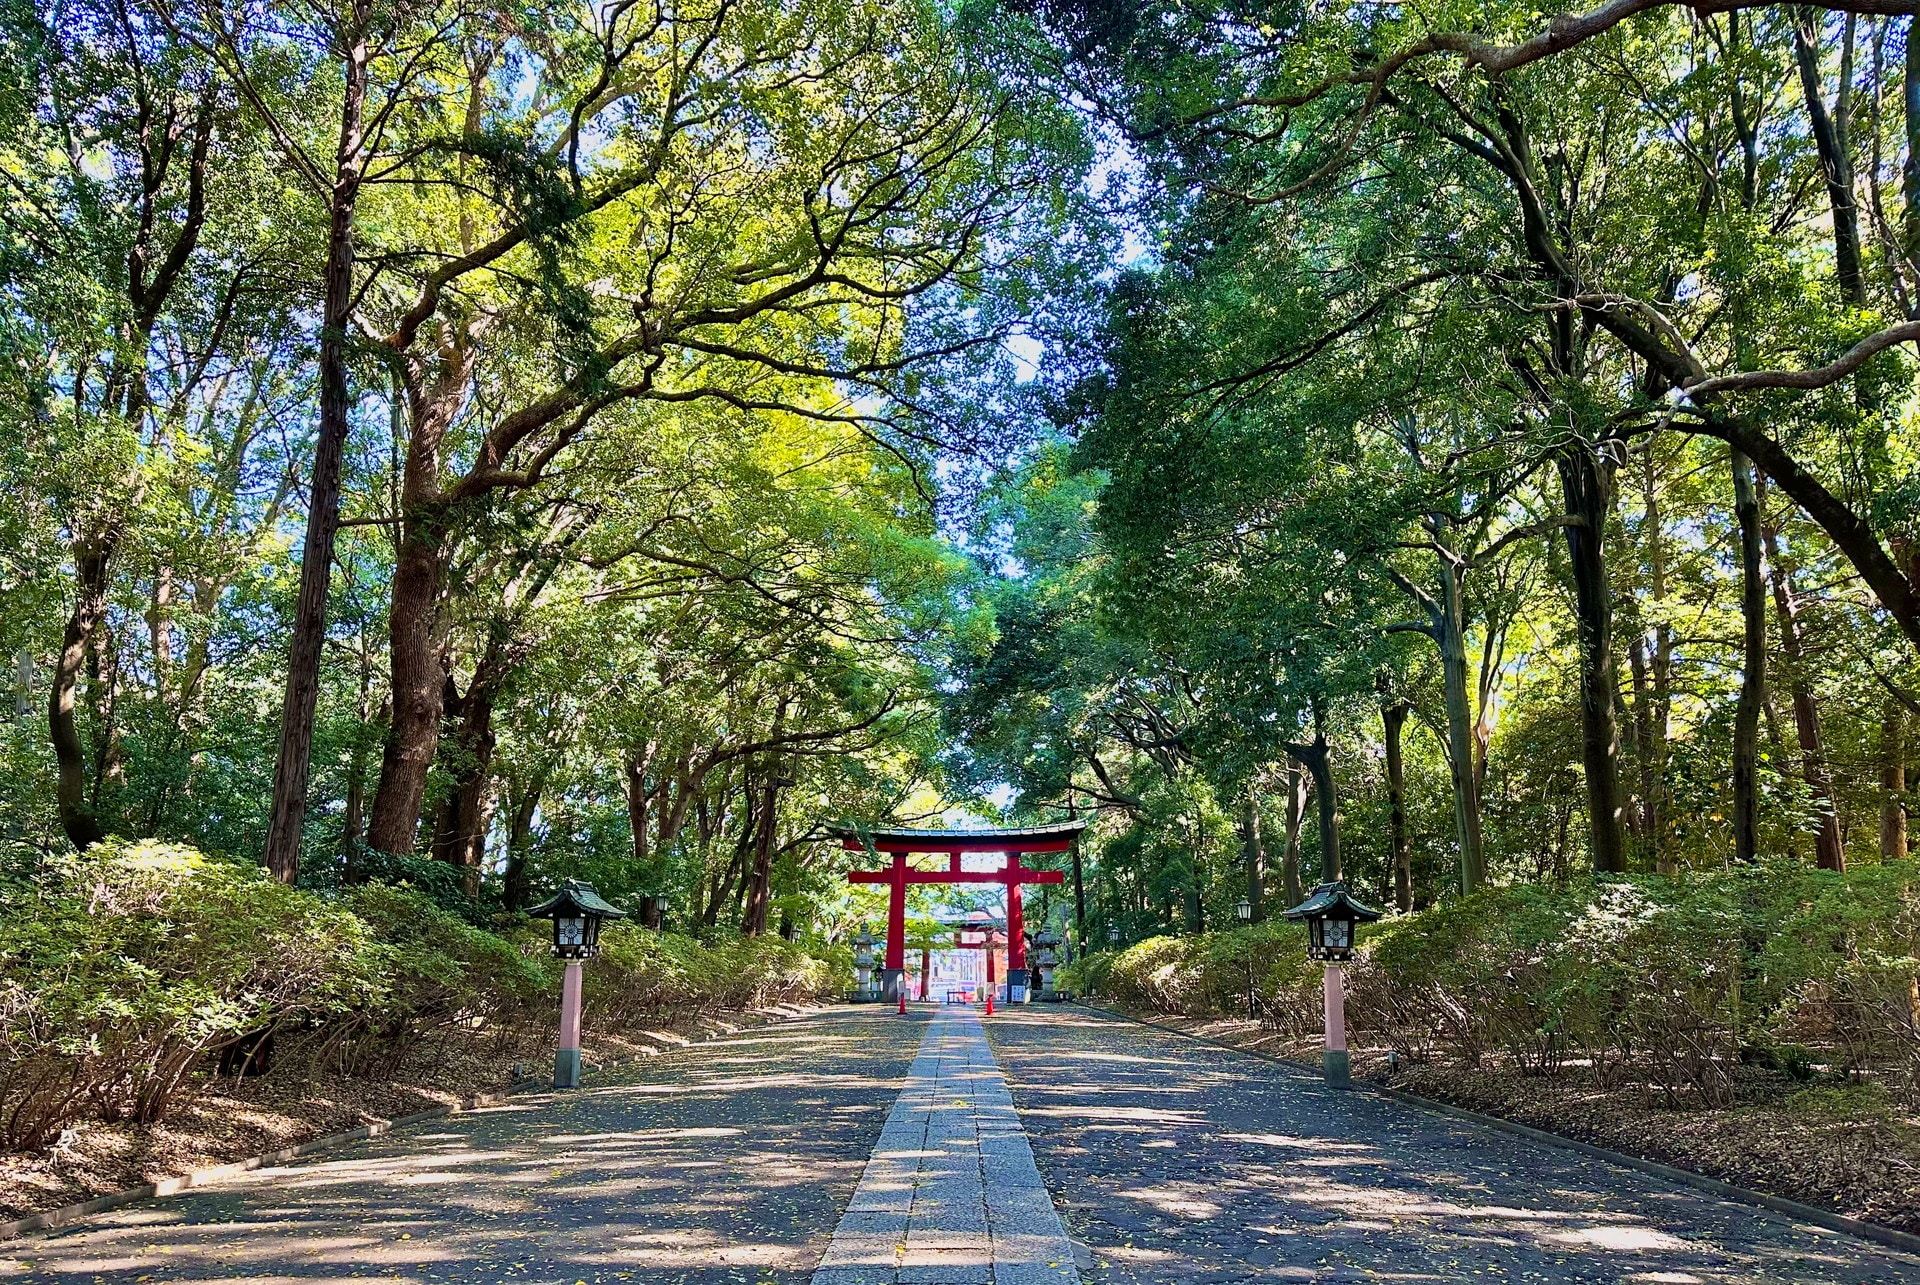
[(1825, 1219), (178, 1183)]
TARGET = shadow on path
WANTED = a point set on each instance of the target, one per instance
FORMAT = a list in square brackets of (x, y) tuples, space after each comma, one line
[(1182, 1162), (726, 1163)]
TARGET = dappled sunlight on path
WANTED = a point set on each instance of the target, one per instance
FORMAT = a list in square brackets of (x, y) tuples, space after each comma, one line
[(727, 1162), (732, 1163), (1181, 1162)]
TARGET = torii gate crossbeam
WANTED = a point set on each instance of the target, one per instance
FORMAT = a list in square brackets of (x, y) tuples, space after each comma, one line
[(901, 844)]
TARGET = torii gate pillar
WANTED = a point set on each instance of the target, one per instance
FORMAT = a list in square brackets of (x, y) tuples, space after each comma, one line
[(899, 844)]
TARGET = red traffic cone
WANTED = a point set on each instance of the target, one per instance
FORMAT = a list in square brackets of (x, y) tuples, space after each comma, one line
[(903, 1002), (989, 1003)]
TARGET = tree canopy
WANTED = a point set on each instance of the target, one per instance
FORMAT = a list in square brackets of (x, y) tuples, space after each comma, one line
[(475, 446)]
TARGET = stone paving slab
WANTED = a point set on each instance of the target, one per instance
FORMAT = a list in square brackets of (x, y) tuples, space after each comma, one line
[(951, 1195), (722, 1164), (1182, 1163)]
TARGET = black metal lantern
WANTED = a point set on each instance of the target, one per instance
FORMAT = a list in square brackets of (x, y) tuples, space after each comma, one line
[(1331, 913), (1243, 911), (577, 912), (1113, 934)]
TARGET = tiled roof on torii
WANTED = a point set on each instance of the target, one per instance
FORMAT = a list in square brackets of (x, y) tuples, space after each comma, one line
[(1035, 838)]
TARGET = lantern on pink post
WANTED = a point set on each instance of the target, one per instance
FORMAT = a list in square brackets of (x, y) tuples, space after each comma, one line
[(577, 912), (1330, 913)]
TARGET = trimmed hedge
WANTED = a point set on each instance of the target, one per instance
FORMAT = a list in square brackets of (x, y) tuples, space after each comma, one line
[(641, 976), (1668, 982), (121, 968), (125, 970)]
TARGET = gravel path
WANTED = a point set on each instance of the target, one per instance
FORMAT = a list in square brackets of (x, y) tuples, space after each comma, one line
[(726, 1163), (1177, 1161)]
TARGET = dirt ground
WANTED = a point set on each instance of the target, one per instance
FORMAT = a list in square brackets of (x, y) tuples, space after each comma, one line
[(1829, 1145), (295, 1102)]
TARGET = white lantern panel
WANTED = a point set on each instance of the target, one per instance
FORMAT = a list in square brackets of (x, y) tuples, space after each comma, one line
[(570, 932)]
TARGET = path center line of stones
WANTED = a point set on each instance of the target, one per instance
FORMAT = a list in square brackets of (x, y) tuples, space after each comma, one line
[(951, 1195)]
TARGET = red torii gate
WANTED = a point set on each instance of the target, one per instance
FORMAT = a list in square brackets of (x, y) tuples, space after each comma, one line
[(900, 844)]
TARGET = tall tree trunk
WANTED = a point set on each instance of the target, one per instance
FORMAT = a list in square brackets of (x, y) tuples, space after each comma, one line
[(1253, 852), (759, 888), (1079, 900), (639, 799), (419, 679), (515, 886), (103, 695), (353, 827), (92, 563), (160, 630), (1659, 676), (1830, 140), (1893, 781), (723, 883), (1313, 757), (1584, 484), (1296, 816), (1393, 717), (1829, 854), (1910, 167), (353, 822), (1450, 634), (442, 844), (677, 791), (1753, 665), (463, 840), (1194, 915), (149, 282), (288, 815), (416, 618)]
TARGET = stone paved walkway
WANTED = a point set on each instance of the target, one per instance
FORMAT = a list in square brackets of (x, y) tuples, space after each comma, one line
[(1182, 1163), (951, 1195)]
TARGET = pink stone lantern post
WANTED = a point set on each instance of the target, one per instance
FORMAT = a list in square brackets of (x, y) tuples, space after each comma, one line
[(577, 912), (1330, 913)]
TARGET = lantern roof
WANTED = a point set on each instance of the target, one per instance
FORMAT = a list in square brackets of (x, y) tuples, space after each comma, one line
[(1331, 899), (576, 897)]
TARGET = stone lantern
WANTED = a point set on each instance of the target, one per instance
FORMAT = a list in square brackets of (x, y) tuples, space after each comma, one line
[(863, 987), (1046, 955)]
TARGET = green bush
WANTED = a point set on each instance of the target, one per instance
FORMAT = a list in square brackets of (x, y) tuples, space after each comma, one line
[(438, 971), (641, 976), (1090, 974), (1263, 968), (1665, 981), (121, 968)]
